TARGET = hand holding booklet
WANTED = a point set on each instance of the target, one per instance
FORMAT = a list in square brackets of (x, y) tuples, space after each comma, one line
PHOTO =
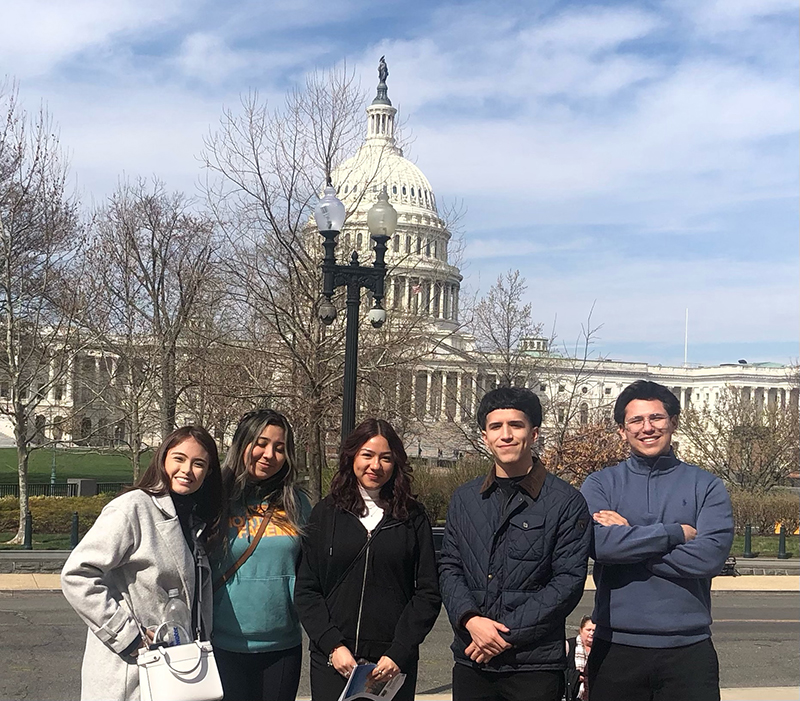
[(362, 685)]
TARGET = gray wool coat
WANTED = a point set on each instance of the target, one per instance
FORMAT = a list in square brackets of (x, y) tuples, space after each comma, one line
[(132, 556)]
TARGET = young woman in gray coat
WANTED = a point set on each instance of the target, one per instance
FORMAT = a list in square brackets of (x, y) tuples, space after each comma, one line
[(144, 543)]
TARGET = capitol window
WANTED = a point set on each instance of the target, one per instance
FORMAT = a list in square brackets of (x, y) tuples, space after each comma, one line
[(404, 189), (394, 189), (412, 192), (396, 243)]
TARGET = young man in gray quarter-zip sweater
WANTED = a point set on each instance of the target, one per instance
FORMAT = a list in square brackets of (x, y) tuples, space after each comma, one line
[(662, 530)]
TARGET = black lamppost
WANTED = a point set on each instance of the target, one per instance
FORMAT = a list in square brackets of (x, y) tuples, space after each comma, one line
[(381, 221)]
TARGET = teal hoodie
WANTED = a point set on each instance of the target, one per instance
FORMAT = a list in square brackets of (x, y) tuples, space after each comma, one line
[(254, 611)]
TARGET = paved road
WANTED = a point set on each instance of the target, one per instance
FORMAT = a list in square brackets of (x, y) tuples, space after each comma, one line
[(757, 636)]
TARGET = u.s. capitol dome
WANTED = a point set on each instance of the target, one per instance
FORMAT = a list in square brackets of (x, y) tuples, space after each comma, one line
[(420, 279)]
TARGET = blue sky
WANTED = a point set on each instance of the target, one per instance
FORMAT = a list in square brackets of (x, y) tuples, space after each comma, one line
[(639, 157)]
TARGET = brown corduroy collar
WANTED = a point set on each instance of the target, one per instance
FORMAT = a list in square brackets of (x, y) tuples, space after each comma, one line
[(531, 483)]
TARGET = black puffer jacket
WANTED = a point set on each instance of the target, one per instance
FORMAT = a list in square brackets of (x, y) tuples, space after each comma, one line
[(522, 563), (379, 600)]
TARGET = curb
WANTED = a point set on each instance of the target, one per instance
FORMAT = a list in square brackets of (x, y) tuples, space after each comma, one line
[(767, 693)]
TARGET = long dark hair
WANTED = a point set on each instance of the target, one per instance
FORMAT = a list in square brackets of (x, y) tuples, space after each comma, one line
[(396, 493), (237, 484), (208, 498)]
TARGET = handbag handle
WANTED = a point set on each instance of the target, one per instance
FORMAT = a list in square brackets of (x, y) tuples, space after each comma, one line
[(195, 664)]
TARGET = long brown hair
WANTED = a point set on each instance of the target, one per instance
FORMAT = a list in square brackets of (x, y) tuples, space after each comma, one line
[(155, 482), (396, 493)]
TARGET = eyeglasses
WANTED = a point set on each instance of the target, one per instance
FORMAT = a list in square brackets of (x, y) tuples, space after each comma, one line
[(655, 420)]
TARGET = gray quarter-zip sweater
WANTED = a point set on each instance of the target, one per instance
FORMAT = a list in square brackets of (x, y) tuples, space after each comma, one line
[(654, 589)]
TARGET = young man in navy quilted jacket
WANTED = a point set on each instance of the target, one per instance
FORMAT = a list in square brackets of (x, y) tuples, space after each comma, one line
[(513, 562), (662, 530)]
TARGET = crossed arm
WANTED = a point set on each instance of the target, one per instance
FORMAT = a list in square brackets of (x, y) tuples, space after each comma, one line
[(671, 550)]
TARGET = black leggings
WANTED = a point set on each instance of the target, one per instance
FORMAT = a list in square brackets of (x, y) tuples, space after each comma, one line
[(260, 676)]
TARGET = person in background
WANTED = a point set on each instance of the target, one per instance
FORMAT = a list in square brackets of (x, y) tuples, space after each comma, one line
[(513, 562), (367, 586), (144, 543), (257, 638), (662, 530), (578, 649)]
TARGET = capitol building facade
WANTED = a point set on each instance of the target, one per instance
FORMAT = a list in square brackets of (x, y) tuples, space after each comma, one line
[(447, 386), (443, 388)]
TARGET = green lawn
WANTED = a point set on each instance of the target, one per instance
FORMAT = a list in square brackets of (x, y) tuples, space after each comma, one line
[(766, 545), (109, 467), (41, 541)]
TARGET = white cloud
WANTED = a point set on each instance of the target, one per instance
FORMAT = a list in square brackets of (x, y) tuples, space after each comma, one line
[(484, 249), (204, 55), (36, 36), (715, 16)]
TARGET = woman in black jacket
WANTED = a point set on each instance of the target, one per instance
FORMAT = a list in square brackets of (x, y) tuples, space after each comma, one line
[(367, 587)]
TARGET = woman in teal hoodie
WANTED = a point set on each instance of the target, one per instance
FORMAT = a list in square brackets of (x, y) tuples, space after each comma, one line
[(257, 639)]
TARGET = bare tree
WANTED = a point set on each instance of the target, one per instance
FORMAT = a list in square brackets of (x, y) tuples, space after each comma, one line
[(583, 449), (266, 168), (571, 379), (151, 263), (509, 349), (751, 446), (40, 236), (502, 324)]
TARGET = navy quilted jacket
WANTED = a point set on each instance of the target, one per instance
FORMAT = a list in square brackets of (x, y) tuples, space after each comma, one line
[(522, 563)]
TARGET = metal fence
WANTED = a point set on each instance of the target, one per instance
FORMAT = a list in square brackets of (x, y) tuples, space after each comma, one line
[(111, 487), (60, 489)]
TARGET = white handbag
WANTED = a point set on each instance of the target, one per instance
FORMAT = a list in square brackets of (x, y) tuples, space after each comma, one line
[(179, 673)]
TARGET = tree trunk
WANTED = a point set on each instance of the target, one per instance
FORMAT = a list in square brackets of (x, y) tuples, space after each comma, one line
[(20, 436), (315, 461), (169, 400)]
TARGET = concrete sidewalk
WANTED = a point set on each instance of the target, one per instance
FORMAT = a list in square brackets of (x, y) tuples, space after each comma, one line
[(51, 582), (767, 693), (772, 693)]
